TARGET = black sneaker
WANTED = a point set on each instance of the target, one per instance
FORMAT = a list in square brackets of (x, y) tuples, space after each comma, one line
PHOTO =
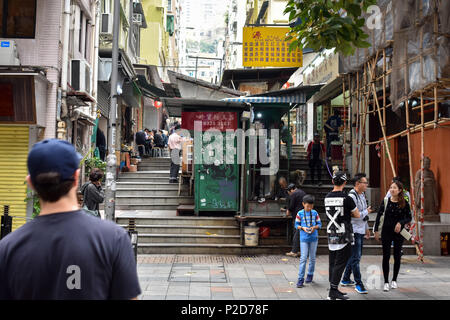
[(335, 294)]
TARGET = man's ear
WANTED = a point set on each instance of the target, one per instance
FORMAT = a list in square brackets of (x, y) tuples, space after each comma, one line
[(76, 177), (30, 184)]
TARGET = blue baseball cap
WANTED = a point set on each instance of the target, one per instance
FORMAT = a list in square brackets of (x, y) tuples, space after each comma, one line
[(53, 155)]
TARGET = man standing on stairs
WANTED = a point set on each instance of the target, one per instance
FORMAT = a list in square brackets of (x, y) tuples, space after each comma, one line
[(295, 205), (361, 231), (340, 208), (315, 156), (332, 130), (175, 149)]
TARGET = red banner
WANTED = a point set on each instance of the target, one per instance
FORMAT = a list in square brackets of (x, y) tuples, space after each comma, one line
[(210, 120)]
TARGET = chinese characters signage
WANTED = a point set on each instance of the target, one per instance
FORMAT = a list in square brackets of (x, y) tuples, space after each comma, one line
[(267, 47), (210, 120), (323, 71)]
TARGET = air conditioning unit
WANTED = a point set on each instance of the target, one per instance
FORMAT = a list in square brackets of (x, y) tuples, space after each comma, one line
[(137, 19), (106, 28), (81, 76), (9, 55)]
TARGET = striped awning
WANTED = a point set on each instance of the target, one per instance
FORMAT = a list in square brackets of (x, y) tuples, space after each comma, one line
[(298, 98)]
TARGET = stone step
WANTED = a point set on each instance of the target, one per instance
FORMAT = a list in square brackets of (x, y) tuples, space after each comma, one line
[(153, 168), (145, 174), (196, 248), (146, 206), (155, 159), (149, 186), (187, 229), (181, 221), (153, 200), (188, 238), (156, 192), (235, 249), (154, 180)]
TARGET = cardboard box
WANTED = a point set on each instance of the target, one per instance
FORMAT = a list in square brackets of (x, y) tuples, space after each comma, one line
[(133, 168)]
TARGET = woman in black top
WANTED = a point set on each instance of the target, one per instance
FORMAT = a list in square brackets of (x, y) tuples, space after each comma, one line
[(396, 215)]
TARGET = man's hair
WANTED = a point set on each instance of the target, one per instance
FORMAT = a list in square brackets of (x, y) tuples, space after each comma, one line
[(146, 129), (396, 179), (282, 178), (177, 126), (291, 187), (96, 175), (49, 186), (358, 177), (282, 123), (336, 112), (308, 199), (338, 182)]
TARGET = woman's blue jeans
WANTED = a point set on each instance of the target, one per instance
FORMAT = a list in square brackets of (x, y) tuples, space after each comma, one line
[(307, 249)]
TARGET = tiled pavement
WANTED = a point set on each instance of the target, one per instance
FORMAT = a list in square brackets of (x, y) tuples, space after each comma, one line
[(190, 277)]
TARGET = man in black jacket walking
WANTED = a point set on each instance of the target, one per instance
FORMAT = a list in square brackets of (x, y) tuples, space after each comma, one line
[(295, 205)]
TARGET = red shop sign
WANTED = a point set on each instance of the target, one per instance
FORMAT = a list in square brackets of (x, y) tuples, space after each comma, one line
[(210, 120)]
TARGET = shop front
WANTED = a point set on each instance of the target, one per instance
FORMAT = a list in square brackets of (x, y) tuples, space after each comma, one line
[(23, 105), (329, 103)]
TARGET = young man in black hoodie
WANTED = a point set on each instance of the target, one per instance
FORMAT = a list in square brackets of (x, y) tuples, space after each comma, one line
[(340, 208)]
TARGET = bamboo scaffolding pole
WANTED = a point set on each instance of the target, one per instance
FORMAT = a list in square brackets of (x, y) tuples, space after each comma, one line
[(383, 129), (345, 124), (422, 202), (383, 147), (358, 120), (435, 107), (428, 125), (411, 177)]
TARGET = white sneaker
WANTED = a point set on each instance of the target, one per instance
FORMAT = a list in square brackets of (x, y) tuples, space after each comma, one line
[(386, 287), (394, 285)]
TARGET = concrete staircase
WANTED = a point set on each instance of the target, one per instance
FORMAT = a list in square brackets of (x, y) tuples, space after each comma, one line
[(149, 188)]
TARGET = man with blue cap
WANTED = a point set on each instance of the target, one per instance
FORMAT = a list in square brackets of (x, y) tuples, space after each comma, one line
[(64, 253)]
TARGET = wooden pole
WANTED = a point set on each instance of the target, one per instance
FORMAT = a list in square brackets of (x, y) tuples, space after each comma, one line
[(383, 147), (345, 123), (422, 203), (411, 177), (358, 121), (374, 92)]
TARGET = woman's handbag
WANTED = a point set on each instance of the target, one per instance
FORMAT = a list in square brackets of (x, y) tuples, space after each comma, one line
[(405, 233), (380, 225)]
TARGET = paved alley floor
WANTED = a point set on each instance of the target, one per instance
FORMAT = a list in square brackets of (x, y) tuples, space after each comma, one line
[(274, 277)]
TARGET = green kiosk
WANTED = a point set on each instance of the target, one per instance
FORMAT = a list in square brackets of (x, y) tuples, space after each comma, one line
[(216, 169)]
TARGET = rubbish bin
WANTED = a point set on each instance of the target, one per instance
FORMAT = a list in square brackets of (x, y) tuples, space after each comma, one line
[(251, 235)]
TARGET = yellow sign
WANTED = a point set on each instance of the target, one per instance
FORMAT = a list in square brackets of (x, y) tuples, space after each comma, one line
[(267, 47)]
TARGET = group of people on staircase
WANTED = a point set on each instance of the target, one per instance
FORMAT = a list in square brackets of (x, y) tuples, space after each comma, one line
[(147, 140), (347, 228)]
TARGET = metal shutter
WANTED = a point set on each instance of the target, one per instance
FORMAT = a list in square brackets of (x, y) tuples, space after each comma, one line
[(13, 171)]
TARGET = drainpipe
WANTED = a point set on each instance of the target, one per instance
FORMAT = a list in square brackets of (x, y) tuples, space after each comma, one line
[(94, 58), (64, 67)]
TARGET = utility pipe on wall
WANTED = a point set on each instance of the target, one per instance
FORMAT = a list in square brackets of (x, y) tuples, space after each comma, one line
[(65, 59)]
